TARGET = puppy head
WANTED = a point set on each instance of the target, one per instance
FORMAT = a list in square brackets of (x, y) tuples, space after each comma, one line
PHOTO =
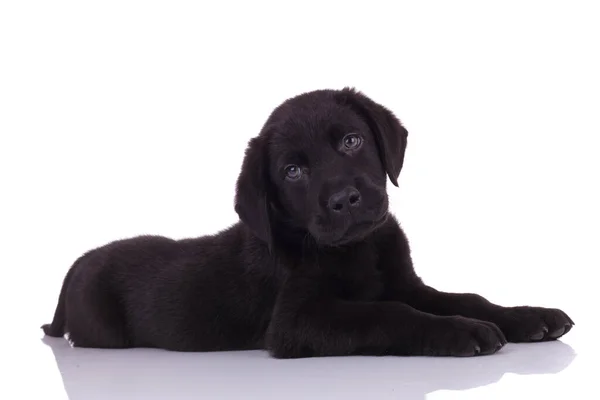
[(319, 167)]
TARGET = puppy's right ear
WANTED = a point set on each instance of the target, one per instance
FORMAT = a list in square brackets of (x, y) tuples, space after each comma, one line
[(252, 202)]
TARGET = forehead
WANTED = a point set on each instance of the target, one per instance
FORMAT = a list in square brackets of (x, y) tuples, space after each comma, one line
[(303, 126)]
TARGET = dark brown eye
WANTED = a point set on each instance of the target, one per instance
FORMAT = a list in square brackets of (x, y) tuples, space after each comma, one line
[(352, 141), (293, 172)]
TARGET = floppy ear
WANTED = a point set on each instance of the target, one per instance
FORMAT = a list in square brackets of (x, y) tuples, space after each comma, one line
[(252, 202), (391, 136)]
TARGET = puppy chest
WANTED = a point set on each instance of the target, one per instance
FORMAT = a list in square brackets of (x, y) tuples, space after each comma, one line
[(361, 282)]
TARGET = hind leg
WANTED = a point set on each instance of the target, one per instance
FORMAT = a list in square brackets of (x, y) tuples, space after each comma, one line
[(97, 321)]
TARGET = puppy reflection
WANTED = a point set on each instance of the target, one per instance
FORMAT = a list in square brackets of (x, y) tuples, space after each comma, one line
[(152, 374)]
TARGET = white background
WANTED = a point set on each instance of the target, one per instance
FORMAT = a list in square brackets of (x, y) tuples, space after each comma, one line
[(120, 118)]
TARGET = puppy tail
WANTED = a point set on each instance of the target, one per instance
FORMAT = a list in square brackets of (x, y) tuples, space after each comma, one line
[(57, 327)]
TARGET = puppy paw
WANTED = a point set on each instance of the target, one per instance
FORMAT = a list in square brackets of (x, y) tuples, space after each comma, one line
[(463, 337), (534, 324)]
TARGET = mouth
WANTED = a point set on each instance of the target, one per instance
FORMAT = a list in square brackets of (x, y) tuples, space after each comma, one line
[(366, 225), (358, 231)]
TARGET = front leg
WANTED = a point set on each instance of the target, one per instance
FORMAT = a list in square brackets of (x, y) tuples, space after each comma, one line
[(519, 324), (307, 322)]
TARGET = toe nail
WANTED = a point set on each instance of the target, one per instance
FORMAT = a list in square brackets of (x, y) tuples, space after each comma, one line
[(557, 333), (545, 328), (538, 336), (477, 350)]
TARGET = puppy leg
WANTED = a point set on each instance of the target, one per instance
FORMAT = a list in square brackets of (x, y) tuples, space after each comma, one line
[(306, 323), (97, 321), (519, 324)]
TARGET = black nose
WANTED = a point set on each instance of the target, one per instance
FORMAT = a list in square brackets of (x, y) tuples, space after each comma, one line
[(344, 200)]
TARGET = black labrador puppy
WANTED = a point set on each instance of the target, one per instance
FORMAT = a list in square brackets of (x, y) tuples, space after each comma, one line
[(316, 266)]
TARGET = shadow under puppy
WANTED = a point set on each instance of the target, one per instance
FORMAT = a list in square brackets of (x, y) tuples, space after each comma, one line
[(316, 266)]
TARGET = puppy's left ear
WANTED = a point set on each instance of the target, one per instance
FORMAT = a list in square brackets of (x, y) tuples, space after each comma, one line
[(252, 202), (391, 136)]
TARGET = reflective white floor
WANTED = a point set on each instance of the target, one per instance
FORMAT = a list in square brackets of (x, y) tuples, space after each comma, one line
[(52, 368)]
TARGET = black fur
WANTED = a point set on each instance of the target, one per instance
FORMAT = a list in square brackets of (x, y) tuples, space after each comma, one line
[(316, 266)]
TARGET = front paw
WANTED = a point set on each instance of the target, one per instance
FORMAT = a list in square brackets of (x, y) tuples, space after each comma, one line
[(462, 337), (534, 324)]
